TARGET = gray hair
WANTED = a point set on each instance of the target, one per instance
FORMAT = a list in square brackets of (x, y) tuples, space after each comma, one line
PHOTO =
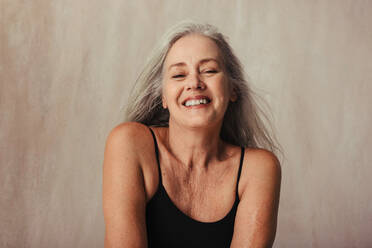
[(244, 121)]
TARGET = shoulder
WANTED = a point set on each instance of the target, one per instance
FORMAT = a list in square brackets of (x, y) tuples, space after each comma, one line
[(257, 212), (123, 185), (128, 130), (261, 166), (129, 151), (129, 133), (261, 159), (129, 138)]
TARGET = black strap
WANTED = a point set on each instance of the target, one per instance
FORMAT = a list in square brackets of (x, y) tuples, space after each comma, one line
[(157, 154), (240, 170)]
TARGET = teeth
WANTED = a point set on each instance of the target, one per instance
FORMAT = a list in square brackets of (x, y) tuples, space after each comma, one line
[(195, 102)]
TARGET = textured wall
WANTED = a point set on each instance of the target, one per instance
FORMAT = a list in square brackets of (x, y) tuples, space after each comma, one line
[(66, 68)]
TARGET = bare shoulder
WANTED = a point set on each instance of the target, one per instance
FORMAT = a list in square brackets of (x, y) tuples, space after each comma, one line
[(261, 160), (126, 147), (129, 147), (256, 219), (129, 138), (124, 197), (131, 132), (261, 166), (133, 145)]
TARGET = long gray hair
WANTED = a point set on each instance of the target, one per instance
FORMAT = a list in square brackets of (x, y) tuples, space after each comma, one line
[(244, 121)]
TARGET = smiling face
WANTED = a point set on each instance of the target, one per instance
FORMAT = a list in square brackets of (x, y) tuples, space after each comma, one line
[(195, 87)]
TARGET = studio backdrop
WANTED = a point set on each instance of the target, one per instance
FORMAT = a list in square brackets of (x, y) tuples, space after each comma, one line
[(66, 70)]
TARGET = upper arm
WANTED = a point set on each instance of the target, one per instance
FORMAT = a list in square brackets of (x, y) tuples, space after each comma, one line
[(124, 199), (256, 218)]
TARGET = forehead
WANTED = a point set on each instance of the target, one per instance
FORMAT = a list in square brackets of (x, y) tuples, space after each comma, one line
[(192, 48)]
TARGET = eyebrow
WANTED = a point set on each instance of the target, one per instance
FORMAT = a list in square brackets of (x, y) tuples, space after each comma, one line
[(203, 61)]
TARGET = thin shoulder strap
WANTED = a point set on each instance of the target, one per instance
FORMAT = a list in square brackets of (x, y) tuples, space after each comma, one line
[(157, 154), (240, 170)]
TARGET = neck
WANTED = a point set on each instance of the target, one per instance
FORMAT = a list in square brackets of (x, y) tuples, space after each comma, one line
[(195, 148)]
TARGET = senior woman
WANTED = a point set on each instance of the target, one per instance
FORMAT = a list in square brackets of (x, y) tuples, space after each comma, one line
[(189, 168)]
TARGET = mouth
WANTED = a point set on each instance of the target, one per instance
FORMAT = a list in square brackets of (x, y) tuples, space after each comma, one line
[(197, 101)]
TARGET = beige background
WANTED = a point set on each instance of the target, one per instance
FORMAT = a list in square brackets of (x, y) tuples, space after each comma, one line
[(66, 68)]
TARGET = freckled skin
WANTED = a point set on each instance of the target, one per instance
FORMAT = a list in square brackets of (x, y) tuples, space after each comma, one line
[(194, 75)]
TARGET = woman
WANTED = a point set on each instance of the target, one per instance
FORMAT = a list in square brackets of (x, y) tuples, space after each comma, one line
[(187, 170)]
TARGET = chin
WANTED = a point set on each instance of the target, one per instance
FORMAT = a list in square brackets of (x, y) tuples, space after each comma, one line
[(199, 122)]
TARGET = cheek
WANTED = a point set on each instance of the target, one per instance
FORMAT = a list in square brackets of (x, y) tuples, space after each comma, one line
[(170, 93), (222, 88)]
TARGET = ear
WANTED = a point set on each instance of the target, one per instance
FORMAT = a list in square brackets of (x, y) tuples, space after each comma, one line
[(233, 96), (164, 103)]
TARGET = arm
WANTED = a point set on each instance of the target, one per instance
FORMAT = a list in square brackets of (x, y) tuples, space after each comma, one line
[(124, 199), (256, 218)]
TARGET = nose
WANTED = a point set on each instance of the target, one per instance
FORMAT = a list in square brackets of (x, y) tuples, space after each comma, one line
[(195, 82)]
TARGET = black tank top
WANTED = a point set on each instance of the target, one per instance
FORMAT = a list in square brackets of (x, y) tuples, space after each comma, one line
[(168, 227)]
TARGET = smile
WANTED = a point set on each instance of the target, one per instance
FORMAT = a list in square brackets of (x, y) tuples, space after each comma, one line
[(196, 102), (199, 101)]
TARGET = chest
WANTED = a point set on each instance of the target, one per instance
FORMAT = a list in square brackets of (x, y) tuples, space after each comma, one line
[(205, 197)]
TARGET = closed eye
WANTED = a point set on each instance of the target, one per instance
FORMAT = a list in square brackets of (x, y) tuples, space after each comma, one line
[(210, 71), (178, 76)]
